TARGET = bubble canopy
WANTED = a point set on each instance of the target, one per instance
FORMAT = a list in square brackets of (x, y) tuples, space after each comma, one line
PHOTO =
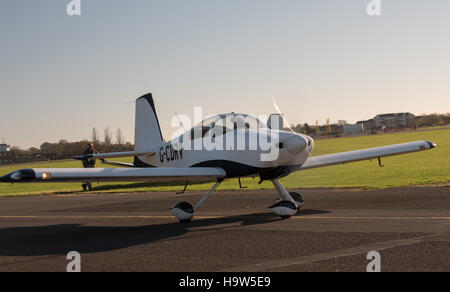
[(223, 123)]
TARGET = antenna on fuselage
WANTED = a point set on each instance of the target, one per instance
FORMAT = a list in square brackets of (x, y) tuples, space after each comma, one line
[(180, 121)]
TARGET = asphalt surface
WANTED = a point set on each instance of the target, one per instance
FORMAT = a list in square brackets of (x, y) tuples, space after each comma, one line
[(233, 231)]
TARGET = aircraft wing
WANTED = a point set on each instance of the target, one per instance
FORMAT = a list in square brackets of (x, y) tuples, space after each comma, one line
[(113, 174), (366, 154)]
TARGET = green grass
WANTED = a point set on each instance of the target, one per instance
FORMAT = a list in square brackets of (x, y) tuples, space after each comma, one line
[(424, 168)]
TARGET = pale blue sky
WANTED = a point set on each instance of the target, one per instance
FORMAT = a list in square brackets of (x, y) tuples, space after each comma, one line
[(60, 76)]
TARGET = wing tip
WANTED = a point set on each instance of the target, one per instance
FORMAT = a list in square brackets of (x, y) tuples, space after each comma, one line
[(23, 175), (5, 178), (431, 144)]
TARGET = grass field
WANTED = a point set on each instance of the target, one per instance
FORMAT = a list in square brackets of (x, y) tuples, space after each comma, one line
[(424, 168)]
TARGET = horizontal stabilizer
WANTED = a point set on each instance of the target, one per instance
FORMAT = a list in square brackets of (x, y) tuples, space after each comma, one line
[(122, 164), (112, 155)]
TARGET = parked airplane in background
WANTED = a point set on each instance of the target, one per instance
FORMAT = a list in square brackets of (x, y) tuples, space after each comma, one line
[(157, 160)]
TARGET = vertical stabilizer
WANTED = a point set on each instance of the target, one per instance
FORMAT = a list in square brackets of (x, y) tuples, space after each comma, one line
[(147, 135)]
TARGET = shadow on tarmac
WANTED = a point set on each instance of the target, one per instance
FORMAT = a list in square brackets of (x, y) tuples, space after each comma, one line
[(60, 239)]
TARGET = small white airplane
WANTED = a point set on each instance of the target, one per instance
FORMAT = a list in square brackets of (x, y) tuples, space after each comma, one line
[(157, 160)]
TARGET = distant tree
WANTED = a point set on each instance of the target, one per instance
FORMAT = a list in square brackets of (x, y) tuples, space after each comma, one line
[(95, 137), (34, 150), (108, 138), (298, 128), (342, 122), (46, 148), (307, 128), (16, 149), (119, 137), (430, 121), (446, 118)]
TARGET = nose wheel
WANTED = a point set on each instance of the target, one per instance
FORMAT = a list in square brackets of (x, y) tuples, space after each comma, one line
[(298, 198)]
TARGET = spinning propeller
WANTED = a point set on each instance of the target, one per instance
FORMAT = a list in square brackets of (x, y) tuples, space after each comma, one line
[(277, 108)]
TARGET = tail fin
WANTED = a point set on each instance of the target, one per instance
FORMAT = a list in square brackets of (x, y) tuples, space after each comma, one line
[(147, 135)]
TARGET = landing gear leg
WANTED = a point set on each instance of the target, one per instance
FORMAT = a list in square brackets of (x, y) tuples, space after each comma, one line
[(184, 211), (287, 207)]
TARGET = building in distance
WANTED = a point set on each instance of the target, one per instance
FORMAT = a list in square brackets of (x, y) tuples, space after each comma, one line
[(389, 122), (6, 156)]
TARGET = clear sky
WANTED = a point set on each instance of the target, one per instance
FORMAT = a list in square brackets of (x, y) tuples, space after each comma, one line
[(60, 75)]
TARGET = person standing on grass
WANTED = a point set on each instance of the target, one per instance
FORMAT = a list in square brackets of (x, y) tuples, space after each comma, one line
[(89, 163)]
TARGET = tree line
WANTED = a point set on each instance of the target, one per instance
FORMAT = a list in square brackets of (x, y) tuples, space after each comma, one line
[(65, 149), (431, 120)]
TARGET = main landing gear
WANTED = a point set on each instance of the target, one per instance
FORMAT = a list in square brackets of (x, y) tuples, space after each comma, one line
[(289, 204), (184, 211)]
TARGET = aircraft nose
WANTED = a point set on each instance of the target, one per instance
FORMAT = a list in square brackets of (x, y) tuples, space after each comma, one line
[(296, 144)]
